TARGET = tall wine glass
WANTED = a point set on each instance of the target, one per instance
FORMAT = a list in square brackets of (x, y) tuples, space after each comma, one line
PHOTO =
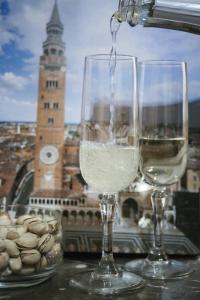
[(163, 123), (109, 156)]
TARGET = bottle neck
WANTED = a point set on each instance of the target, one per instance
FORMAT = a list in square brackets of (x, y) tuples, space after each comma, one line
[(176, 14), (181, 15)]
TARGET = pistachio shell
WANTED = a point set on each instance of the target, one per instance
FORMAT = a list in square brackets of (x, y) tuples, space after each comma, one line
[(27, 219), (33, 219), (3, 260), (21, 229), (53, 226), (11, 248), (48, 218), (27, 270), (38, 228), (15, 264), (22, 219), (42, 264), (46, 243), (5, 219), (12, 234), (27, 241), (30, 257)]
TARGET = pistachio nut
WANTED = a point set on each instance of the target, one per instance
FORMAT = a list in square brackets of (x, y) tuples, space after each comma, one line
[(11, 248), (4, 258), (27, 219), (15, 264), (12, 234), (38, 228), (47, 218), (32, 220), (53, 226), (28, 240), (20, 220), (46, 243), (42, 264), (30, 257), (21, 229)]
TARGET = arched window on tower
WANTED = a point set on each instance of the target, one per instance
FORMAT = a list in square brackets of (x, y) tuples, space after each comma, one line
[(46, 105), (50, 121), (52, 84), (56, 106), (53, 51)]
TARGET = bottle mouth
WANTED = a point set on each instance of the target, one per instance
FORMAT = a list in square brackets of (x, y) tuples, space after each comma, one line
[(125, 11)]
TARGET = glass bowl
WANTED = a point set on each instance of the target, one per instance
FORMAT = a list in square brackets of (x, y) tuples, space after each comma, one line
[(30, 244)]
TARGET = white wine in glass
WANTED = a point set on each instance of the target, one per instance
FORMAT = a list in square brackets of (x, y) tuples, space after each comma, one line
[(163, 139), (106, 167)]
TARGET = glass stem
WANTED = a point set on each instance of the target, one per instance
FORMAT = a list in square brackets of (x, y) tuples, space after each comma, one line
[(107, 266), (159, 201)]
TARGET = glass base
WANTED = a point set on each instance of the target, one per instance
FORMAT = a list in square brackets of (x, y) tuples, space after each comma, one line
[(171, 269), (107, 284)]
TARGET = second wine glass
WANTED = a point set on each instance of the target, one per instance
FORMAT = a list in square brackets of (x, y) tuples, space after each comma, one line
[(163, 123), (109, 156)]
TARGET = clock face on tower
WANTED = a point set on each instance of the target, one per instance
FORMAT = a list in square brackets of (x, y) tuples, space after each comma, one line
[(49, 155)]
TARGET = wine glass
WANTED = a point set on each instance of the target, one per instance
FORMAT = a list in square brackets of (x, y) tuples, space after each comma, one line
[(163, 139), (109, 146)]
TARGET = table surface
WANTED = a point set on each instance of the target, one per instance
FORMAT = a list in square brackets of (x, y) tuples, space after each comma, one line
[(57, 288)]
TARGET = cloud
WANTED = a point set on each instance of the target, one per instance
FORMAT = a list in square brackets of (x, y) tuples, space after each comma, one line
[(12, 108), (6, 36), (13, 82)]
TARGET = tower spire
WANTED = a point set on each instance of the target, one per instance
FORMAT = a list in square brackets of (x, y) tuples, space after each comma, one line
[(55, 16), (54, 30)]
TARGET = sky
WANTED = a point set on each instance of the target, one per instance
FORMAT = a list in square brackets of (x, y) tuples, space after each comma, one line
[(86, 31)]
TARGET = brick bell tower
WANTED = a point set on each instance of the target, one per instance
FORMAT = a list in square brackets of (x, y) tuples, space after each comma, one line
[(49, 148)]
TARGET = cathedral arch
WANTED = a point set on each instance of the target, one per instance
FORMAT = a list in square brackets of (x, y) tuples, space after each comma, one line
[(82, 213), (74, 214), (65, 213), (90, 214), (129, 208)]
